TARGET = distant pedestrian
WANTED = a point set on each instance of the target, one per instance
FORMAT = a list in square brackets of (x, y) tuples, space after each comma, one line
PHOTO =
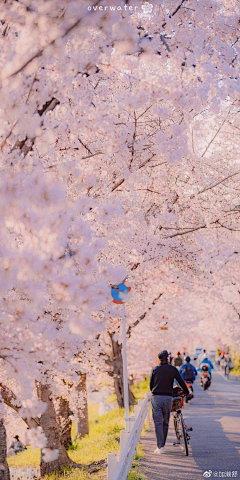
[(16, 445), (177, 361), (170, 358), (220, 356), (201, 356), (161, 386), (184, 354)]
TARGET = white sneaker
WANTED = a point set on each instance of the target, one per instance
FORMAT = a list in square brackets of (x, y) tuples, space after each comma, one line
[(159, 450)]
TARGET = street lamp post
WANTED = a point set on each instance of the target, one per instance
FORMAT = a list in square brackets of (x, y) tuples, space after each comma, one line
[(121, 294), (125, 373)]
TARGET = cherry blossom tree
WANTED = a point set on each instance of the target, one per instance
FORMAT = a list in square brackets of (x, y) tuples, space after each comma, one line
[(117, 158)]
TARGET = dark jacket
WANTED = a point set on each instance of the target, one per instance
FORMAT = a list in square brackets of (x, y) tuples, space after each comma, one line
[(177, 361), (162, 378)]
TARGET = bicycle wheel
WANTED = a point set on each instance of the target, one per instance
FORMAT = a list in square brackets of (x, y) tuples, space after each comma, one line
[(183, 436), (176, 425)]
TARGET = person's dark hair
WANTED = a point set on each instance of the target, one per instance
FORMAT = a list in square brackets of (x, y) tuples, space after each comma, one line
[(163, 356), (204, 351), (178, 354), (17, 437), (188, 359)]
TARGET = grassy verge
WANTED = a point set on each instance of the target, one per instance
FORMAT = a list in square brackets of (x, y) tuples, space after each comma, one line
[(140, 390), (136, 473), (103, 438), (104, 433), (235, 356), (29, 458)]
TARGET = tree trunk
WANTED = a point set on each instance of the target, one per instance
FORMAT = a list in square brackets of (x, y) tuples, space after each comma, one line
[(11, 401), (63, 413), (82, 411), (48, 422), (117, 369), (4, 470)]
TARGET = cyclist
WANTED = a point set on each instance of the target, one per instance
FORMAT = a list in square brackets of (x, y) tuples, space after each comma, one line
[(228, 364), (161, 386), (187, 371)]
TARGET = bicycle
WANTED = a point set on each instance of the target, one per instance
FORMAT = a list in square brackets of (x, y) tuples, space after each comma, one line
[(181, 430)]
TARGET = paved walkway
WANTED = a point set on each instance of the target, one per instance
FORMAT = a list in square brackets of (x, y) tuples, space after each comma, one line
[(214, 416)]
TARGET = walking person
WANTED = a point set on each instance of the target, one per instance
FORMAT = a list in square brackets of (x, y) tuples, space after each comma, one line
[(201, 356), (177, 361), (184, 354), (170, 358), (161, 386)]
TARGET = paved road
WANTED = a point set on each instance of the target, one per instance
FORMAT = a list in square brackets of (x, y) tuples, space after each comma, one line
[(214, 416)]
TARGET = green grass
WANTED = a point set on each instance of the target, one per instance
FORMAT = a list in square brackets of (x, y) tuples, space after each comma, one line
[(29, 458), (102, 439), (76, 474), (136, 473), (140, 390), (235, 356), (111, 398)]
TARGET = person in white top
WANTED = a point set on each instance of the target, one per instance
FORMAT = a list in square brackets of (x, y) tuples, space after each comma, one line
[(201, 356)]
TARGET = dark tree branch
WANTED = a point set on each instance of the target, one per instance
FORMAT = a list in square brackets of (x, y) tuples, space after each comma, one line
[(118, 184), (187, 231), (213, 138), (217, 183), (85, 146), (129, 330), (53, 42), (162, 38), (11, 401), (48, 106), (175, 11), (234, 308), (26, 145)]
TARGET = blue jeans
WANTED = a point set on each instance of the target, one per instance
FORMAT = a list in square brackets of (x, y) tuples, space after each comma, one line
[(161, 407)]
